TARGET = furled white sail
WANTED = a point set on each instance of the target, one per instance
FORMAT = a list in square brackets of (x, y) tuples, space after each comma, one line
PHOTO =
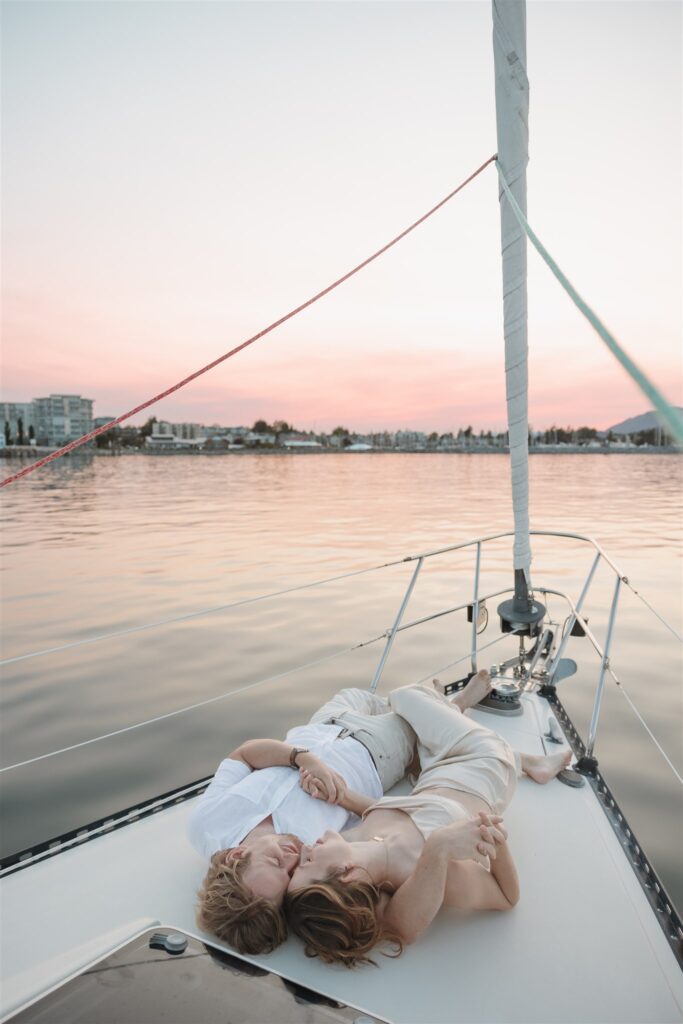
[(512, 120)]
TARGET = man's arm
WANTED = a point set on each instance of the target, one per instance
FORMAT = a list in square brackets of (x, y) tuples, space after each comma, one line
[(276, 753), (263, 753)]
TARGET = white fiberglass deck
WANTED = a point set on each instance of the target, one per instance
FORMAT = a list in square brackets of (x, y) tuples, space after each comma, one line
[(583, 944)]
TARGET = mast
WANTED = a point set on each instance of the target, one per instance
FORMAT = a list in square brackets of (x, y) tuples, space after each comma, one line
[(512, 123)]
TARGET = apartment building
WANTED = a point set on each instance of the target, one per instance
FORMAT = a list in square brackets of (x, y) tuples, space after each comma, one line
[(61, 418), (19, 417)]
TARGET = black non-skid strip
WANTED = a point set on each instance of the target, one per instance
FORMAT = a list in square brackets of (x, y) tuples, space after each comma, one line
[(663, 907), (69, 840)]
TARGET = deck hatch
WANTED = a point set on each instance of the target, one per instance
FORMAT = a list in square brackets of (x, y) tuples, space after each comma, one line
[(142, 982)]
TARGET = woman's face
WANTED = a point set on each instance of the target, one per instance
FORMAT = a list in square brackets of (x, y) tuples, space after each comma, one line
[(328, 854)]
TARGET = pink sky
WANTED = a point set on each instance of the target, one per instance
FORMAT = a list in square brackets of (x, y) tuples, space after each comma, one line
[(176, 176)]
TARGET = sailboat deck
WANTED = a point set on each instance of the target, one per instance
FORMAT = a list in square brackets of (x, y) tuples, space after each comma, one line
[(583, 944)]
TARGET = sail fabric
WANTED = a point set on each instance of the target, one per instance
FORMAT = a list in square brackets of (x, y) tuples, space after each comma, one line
[(512, 121)]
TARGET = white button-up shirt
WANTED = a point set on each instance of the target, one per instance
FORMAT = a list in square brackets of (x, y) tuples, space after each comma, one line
[(238, 798)]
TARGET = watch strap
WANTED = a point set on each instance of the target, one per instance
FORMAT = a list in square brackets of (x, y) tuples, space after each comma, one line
[(295, 753)]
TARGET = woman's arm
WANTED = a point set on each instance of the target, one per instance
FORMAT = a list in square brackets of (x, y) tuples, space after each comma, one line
[(472, 887), (505, 873), (417, 902), (347, 798), (357, 803)]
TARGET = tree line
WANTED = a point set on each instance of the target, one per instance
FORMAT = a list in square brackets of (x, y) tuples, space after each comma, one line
[(134, 437)]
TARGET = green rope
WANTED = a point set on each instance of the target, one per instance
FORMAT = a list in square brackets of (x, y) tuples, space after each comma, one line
[(671, 417)]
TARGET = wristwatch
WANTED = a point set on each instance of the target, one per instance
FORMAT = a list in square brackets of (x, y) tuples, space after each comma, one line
[(295, 753)]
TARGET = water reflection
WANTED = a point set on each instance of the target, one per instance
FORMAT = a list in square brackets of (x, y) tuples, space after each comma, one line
[(99, 544)]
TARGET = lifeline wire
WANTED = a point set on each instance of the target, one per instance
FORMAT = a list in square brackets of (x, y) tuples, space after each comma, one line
[(250, 341), (624, 579), (451, 664), (649, 731), (224, 696), (618, 682), (193, 615), (671, 417), (192, 707)]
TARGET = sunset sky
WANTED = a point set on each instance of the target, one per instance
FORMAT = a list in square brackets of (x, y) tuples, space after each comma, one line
[(177, 175)]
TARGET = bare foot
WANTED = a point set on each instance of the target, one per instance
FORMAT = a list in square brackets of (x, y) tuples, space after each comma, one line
[(543, 769), (478, 687)]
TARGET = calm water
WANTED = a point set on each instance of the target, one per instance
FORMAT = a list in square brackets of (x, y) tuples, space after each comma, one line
[(96, 544)]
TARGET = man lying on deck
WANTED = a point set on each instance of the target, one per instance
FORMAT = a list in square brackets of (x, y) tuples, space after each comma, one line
[(254, 818), (445, 845)]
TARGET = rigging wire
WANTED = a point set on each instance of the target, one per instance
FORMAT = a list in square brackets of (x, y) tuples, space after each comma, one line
[(649, 731), (250, 341), (231, 693), (672, 630), (194, 615), (672, 418), (465, 657), (193, 707)]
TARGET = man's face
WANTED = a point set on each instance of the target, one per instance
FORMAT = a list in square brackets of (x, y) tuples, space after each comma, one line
[(272, 860), (329, 854)]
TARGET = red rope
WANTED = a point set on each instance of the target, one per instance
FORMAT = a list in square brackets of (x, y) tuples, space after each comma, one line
[(250, 341)]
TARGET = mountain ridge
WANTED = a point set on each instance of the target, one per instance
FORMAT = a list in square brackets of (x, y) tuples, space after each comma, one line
[(646, 421)]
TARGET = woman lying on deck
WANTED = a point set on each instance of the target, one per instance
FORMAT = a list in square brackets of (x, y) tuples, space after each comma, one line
[(444, 845)]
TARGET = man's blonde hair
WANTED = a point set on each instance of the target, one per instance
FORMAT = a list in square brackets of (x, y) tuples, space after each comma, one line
[(228, 909), (340, 921)]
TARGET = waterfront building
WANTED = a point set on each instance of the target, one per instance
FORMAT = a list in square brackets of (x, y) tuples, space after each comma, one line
[(16, 415), (410, 439), (254, 438), (381, 440), (162, 439), (298, 441), (182, 431), (61, 418)]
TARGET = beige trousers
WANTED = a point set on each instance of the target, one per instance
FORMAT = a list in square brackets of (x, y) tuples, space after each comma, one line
[(366, 717), (455, 751)]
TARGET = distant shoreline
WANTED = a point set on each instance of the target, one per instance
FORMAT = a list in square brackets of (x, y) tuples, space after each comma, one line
[(14, 452)]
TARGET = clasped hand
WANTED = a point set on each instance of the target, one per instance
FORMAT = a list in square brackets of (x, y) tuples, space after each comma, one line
[(320, 781), (474, 839)]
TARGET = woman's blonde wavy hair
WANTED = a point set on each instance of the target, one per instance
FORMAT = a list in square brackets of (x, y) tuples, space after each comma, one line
[(229, 910), (339, 921)]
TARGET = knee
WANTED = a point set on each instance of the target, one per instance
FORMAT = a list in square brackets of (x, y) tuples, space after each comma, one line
[(351, 692), (405, 697)]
